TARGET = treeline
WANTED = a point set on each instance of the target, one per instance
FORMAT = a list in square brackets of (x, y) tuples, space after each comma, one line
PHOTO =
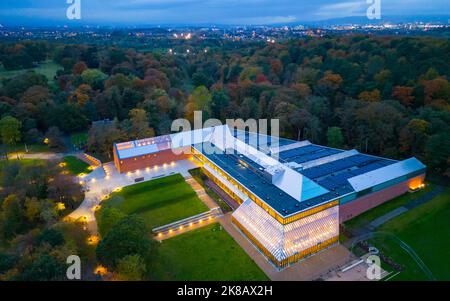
[(388, 96)]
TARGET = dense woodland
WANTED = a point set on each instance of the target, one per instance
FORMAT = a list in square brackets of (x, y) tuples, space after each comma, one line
[(386, 96), (382, 95)]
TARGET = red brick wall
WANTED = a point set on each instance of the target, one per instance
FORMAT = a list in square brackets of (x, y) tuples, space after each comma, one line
[(362, 204), (150, 160)]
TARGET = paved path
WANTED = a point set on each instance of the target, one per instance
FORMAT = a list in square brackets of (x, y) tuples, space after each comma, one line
[(104, 180), (201, 193), (410, 205)]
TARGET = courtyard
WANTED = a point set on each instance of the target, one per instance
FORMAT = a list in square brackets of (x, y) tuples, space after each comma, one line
[(159, 202)]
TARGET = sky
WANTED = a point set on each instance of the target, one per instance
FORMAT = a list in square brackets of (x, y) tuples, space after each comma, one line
[(226, 12)]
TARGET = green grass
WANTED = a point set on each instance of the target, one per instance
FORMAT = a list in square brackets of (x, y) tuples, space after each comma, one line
[(47, 68), (79, 139), (381, 210), (159, 202), (427, 230), (76, 166), (208, 253), (32, 148)]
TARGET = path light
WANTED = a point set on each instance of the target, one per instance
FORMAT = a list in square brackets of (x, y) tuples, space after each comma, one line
[(160, 234), (60, 206), (156, 167), (200, 221), (210, 218), (93, 180), (172, 163), (93, 240), (128, 174), (191, 224), (165, 165), (170, 231), (100, 270), (147, 169), (181, 227), (138, 171)]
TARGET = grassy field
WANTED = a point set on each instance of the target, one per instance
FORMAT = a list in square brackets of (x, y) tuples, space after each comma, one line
[(76, 166), (376, 212), (208, 253), (48, 68), (32, 148), (427, 230), (159, 202), (79, 139)]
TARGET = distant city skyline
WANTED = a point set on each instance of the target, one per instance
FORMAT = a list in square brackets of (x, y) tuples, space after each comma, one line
[(190, 12)]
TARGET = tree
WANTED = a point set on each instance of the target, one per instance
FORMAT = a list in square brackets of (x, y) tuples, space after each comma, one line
[(107, 218), (374, 95), (437, 151), (128, 237), (79, 68), (51, 237), (54, 138), (199, 100), (13, 220), (44, 268), (94, 78), (131, 268), (139, 125), (10, 130), (404, 95), (335, 137)]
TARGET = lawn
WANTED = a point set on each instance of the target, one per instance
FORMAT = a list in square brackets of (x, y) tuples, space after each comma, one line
[(208, 253), (47, 68), (426, 229), (159, 202), (381, 210), (76, 166), (29, 148), (79, 139)]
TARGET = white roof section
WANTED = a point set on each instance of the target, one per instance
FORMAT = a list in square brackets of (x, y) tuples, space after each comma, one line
[(138, 151), (187, 138), (330, 158), (386, 173), (279, 149), (285, 178)]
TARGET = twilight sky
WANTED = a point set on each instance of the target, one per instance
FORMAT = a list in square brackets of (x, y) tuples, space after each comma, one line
[(245, 12)]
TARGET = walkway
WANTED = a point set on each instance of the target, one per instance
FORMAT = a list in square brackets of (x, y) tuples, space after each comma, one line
[(102, 181), (410, 205), (201, 193)]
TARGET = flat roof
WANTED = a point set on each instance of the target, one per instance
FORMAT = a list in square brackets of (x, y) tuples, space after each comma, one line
[(325, 173)]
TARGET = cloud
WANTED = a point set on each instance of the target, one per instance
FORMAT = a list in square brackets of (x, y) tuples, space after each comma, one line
[(140, 12)]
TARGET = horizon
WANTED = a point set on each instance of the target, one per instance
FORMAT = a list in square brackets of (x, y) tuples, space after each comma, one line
[(144, 13)]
